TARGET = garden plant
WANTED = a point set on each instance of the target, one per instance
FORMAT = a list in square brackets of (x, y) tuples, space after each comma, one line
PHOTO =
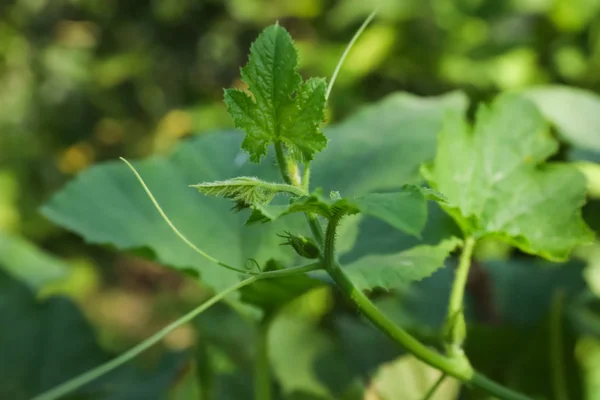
[(282, 217)]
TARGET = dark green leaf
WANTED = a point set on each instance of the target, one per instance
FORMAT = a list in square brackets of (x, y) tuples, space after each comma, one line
[(46, 343), (389, 271)]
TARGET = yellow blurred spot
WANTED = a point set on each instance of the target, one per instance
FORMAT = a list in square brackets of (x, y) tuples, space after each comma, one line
[(83, 281), (9, 192), (173, 126), (109, 131), (181, 338), (76, 158), (80, 34)]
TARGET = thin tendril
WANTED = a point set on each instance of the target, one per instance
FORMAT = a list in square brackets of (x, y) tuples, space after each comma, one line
[(251, 264), (338, 67), (174, 229)]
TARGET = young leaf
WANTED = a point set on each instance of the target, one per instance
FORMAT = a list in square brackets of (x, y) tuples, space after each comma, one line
[(281, 107), (390, 271), (248, 190), (497, 184)]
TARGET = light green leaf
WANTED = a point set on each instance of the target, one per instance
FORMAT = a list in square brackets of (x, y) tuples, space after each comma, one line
[(408, 378), (575, 113), (248, 190), (282, 107), (497, 183), (29, 264), (390, 271)]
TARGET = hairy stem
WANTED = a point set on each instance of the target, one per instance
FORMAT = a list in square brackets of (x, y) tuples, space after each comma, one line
[(79, 381), (557, 362), (282, 163), (455, 328), (313, 222), (262, 369), (306, 178), (435, 387)]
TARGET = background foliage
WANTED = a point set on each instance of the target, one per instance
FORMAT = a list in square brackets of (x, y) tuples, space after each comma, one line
[(83, 82)]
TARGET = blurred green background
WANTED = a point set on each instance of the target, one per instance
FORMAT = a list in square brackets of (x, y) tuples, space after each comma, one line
[(84, 81)]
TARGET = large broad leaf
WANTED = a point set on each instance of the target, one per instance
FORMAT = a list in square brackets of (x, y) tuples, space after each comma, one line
[(382, 146), (497, 184), (106, 205), (574, 112), (46, 343), (26, 262), (282, 108), (389, 271)]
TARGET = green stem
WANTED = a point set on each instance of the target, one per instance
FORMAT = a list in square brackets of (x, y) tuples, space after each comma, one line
[(262, 369), (282, 163), (458, 367), (455, 328), (495, 389), (77, 382), (338, 67), (435, 387), (557, 362), (306, 178), (313, 222)]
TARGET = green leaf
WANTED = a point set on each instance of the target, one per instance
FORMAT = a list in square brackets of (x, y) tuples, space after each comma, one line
[(45, 343), (575, 113), (381, 147), (248, 190), (390, 271), (497, 183), (107, 205), (282, 108), (405, 210), (29, 264)]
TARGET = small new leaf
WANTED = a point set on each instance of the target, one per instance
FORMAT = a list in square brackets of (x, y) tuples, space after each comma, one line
[(279, 106), (246, 191), (497, 183)]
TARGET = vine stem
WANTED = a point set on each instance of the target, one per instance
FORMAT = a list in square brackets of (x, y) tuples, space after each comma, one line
[(455, 329), (338, 67), (79, 381), (458, 366), (262, 369), (557, 362)]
